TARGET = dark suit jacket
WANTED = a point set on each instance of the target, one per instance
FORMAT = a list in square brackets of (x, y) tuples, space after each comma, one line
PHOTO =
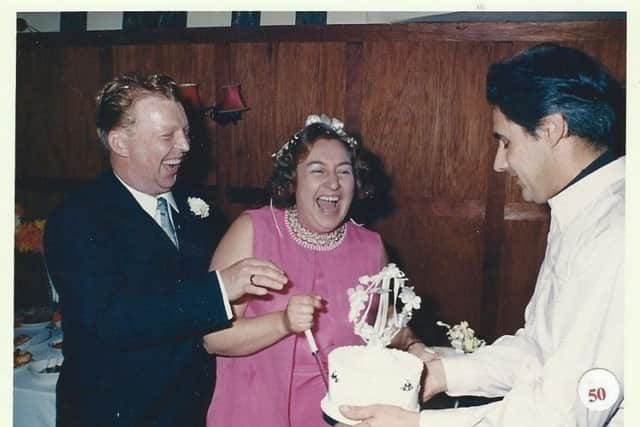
[(134, 311)]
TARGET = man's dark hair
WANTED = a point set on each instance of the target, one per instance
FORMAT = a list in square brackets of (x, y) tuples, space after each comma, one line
[(548, 79)]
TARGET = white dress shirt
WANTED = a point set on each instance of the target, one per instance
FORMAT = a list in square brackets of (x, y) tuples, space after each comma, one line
[(149, 204), (574, 322)]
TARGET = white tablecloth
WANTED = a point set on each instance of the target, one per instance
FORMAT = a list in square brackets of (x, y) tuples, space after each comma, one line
[(34, 395)]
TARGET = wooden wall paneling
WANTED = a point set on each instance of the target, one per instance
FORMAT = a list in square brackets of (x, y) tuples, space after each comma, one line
[(354, 86), (442, 257), (460, 130), (282, 83), (186, 63), (287, 33), (451, 31), (309, 79), (222, 134), (524, 246), (55, 131), (233, 210), (253, 66), (394, 111), (421, 114), (533, 32), (424, 114)]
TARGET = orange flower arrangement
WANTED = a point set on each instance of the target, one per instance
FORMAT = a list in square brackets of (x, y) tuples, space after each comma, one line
[(29, 233)]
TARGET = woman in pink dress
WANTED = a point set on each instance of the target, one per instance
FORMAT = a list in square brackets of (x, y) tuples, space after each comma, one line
[(266, 375)]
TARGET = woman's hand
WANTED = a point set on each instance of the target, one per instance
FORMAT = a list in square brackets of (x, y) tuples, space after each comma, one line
[(299, 314)]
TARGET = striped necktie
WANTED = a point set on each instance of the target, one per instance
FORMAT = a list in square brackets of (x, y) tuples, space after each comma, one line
[(162, 210)]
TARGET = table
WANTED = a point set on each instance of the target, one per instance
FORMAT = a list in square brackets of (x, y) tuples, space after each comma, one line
[(34, 394)]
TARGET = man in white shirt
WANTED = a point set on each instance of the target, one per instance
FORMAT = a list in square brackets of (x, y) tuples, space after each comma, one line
[(555, 118)]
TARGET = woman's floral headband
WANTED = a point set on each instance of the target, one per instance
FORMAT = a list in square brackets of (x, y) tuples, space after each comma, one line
[(336, 125)]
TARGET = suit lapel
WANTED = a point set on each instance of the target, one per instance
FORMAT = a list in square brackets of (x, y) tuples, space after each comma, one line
[(183, 220), (178, 221), (191, 229), (129, 216)]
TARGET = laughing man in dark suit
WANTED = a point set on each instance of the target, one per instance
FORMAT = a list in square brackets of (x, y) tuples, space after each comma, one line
[(130, 259)]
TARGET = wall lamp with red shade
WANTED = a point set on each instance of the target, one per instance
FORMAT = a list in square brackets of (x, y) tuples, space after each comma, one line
[(228, 111)]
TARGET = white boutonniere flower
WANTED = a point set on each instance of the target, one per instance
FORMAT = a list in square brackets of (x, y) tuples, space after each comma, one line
[(198, 207)]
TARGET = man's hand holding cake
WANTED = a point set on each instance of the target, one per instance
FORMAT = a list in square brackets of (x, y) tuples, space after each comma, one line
[(380, 416)]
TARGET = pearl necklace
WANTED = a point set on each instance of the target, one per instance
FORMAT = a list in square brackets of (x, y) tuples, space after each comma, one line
[(310, 239)]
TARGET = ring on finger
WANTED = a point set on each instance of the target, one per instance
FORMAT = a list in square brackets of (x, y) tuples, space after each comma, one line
[(251, 279)]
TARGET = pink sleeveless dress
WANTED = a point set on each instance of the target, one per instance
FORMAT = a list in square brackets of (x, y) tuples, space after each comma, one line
[(280, 386)]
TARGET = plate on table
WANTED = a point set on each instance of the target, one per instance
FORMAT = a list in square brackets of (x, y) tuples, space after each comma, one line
[(35, 325), (21, 339), (25, 340), (21, 359)]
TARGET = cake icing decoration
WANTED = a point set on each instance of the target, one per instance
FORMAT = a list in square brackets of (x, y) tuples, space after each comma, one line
[(389, 283)]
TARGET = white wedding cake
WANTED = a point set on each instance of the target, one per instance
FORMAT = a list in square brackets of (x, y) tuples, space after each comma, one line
[(371, 373)]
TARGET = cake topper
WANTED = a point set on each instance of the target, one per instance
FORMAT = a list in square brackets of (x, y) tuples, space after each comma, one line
[(390, 281)]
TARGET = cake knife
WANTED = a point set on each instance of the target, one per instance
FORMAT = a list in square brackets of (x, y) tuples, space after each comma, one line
[(314, 352)]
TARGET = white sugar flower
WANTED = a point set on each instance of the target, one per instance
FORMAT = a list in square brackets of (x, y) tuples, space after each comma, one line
[(365, 331), (198, 207), (364, 280), (410, 299), (357, 298)]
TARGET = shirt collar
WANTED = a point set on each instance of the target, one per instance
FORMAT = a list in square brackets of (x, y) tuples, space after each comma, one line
[(567, 204), (146, 201), (607, 157)]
